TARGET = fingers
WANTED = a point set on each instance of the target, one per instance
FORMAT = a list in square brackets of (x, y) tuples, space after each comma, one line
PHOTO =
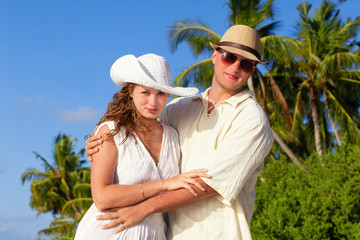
[(107, 216), (114, 216), (121, 228), (186, 180), (190, 189), (91, 146), (197, 173), (91, 151), (198, 170), (200, 174), (194, 182), (93, 141), (111, 224), (197, 184)]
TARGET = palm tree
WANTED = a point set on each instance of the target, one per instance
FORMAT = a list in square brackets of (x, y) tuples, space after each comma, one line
[(326, 73), (62, 188), (197, 35)]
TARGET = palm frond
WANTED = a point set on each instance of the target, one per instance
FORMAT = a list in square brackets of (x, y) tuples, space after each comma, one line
[(79, 203), (33, 174), (279, 49), (199, 74), (194, 33), (339, 106), (298, 106)]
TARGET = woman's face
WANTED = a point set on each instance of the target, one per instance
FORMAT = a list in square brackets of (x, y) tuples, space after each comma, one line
[(149, 102)]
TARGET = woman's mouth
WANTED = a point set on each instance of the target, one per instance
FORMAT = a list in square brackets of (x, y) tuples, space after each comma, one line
[(151, 110)]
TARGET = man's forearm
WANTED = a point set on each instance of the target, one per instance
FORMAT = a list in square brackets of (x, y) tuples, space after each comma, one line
[(172, 200)]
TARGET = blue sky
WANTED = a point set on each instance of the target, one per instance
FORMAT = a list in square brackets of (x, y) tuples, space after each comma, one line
[(55, 58)]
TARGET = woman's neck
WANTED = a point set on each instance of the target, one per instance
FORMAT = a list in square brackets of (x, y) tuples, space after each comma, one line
[(148, 124)]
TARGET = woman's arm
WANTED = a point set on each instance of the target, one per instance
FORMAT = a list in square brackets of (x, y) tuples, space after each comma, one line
[(168, 201), (108, 195)]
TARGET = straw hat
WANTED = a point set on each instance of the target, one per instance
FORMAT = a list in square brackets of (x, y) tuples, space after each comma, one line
[(242, 40), (149, 70)]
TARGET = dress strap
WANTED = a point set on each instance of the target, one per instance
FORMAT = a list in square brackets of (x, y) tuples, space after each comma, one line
[(111, 126)]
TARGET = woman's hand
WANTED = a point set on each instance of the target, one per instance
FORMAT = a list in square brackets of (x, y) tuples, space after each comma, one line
[(186, 180)]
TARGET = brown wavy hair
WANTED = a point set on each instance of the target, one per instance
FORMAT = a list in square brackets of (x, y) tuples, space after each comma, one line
[(121, 109)]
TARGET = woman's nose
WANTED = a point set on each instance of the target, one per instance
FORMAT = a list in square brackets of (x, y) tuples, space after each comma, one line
[(152, 100)]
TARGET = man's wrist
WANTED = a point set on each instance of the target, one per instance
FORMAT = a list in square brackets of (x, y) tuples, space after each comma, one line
[(147, 208)]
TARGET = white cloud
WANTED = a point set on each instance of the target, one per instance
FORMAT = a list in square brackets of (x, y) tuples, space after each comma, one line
[(4, 229), (82, 115), (27, 103), (38, 105)]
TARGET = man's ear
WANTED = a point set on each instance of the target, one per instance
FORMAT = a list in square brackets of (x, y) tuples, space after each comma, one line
[(253, 70), (214, 56)]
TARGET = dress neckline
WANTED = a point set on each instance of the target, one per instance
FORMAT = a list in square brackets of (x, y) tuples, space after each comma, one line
[(161, 149)]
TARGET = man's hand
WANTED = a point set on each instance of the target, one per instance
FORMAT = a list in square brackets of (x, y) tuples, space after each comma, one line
[(127, 217), (92, 143)]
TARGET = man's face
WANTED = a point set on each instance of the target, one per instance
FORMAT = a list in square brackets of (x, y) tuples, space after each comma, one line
[(231, 71)]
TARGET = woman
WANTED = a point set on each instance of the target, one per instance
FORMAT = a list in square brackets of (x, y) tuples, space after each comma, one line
[(139, 156)]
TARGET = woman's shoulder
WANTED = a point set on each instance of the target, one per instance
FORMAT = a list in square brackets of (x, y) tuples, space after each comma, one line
[(111, 125)]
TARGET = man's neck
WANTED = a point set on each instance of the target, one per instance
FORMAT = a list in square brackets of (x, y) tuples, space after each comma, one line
[(218, 96)]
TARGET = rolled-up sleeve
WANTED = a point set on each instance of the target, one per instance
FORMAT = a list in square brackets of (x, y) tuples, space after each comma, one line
[(240, 155)]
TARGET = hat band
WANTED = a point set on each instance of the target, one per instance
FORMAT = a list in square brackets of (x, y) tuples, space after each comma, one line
[(240, 46)]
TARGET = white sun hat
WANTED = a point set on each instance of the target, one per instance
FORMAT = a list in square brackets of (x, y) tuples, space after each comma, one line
[(149, 70)]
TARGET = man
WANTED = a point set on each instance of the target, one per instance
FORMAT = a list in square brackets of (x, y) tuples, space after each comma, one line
[(223, 130)]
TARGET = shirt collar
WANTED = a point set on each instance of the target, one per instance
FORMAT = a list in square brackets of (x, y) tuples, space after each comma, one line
[(233, 101)]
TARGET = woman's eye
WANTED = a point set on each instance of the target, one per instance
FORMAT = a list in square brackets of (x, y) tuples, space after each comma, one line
[(161, 93), (145, 92)]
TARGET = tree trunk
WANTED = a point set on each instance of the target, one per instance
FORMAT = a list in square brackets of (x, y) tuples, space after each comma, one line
[(285, 148), (284, 107), (264, 102), (315, 117), (336, 133)]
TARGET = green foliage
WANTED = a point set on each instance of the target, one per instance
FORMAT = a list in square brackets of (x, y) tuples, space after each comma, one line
[(197, 35), (62, 188), (322, 203)]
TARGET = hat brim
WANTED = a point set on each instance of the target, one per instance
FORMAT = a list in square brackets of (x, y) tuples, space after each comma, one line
[(127, 69), (240, 52)]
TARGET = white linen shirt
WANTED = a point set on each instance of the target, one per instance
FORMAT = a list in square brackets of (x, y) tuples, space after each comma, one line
[(232, 142)]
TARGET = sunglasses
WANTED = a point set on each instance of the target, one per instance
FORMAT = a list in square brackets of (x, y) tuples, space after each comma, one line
[(229, 59)]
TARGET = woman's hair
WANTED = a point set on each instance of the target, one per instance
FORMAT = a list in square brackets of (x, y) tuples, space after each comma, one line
[(121, 109)]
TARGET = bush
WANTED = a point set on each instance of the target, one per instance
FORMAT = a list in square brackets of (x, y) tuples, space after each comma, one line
[(322, 203)]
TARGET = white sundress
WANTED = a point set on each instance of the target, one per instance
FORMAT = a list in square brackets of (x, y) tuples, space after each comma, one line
[(135, 165)]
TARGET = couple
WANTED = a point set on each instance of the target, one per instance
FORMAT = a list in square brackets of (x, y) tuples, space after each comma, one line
[(223, 130)]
